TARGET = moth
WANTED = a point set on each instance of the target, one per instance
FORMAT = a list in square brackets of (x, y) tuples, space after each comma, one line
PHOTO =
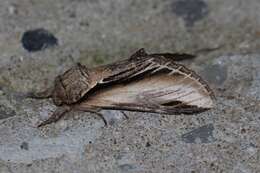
[(144, 82)]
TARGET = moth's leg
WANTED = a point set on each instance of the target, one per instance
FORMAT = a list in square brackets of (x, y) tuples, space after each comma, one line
[(91, 110), (41, 95), (98, 114), (175, 56), (57, 114), (124, 114)]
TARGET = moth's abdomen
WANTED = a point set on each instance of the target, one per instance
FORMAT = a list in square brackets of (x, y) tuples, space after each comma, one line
[(72, 85)]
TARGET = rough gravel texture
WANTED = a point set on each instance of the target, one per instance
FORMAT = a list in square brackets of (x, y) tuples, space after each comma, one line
[(224, 34)]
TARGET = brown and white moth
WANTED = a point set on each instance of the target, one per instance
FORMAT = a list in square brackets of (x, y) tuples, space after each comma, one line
[(144, 82)]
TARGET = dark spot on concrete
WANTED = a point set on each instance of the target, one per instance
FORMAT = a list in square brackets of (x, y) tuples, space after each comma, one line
[(126, 167), (84, 23), (29, 165), (215, 74), (38, 39), (202, 134), (115, 142), (243, 131), (112, 121), (190, 10), (147, 144), (24, 146), (72, 14), (6, 112)]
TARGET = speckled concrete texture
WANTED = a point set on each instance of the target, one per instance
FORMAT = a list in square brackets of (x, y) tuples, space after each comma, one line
[(224, 34)]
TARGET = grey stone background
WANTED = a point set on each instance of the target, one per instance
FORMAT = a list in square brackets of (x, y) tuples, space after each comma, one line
[(225, 34)]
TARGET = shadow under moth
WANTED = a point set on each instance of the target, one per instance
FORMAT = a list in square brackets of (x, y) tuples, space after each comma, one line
[(144, 82)]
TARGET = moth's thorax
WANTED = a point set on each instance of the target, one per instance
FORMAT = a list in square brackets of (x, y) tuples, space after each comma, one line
[(72, 85)]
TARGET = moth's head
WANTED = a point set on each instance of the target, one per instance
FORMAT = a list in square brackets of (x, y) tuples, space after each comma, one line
[(72, 85)]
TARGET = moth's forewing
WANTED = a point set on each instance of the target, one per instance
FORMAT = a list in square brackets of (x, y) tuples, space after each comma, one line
[(163, 87), (124, 69), (137, 64)]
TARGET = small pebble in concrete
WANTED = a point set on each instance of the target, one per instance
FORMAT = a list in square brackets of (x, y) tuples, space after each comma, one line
[(38, 39), (202, 134), (6, 112), (126, 168), (24, 146), (215, 74), (190, 10), (147, 144)]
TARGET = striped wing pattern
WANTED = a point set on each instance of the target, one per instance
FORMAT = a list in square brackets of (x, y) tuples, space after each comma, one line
[(162, 87)]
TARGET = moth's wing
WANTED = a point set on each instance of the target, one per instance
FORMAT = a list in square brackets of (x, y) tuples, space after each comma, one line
[(168, 88), (139, 53), (138, 63), (125, 69)]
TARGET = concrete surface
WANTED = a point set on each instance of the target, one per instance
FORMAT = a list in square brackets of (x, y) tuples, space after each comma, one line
[(224, 34)]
